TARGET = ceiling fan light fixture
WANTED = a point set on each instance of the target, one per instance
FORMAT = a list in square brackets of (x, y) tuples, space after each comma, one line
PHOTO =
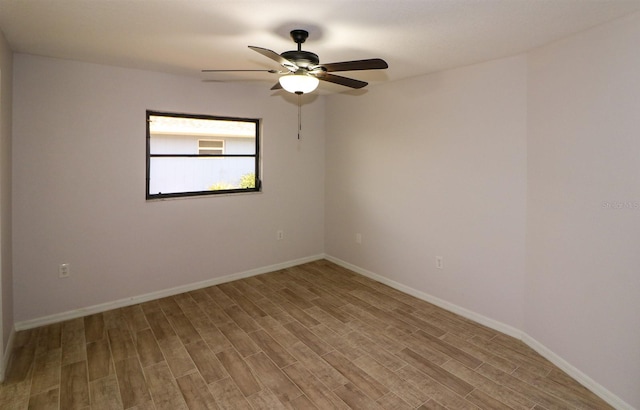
[(298, 83)]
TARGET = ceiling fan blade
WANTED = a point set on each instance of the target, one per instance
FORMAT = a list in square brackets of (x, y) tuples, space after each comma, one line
[(232, 71), (370, 64), (275, 57), (277, 86), (347, 82)]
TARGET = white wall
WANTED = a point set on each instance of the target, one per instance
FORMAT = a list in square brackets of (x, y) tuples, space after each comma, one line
[(468, 163), (435, 166), (583, 259), (6, 273), (79, 187)]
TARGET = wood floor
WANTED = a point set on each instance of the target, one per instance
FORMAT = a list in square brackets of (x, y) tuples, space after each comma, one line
[(312, 336)]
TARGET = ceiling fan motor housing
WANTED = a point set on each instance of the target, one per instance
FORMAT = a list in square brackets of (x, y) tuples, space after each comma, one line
[(303, 59)]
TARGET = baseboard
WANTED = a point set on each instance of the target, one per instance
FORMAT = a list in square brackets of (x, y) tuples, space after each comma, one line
[(579, 376), (476, 317), (73, 314), (547, 353), (6, 355)]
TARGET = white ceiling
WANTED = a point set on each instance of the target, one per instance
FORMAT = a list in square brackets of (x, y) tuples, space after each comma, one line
[(184, 36)]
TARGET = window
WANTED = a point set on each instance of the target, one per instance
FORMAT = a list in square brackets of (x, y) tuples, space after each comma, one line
[(211, 147), (177, 143)]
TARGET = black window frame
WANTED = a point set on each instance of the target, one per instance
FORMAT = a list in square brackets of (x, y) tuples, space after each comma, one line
[(256, 156)]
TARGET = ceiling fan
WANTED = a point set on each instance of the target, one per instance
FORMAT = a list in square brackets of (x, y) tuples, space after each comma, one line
[(304, 71)]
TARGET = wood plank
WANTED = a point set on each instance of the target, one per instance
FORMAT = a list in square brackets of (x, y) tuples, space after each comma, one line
[(242, 319), (360, 379), (376, 351), (312, 387), (147, 347), (392, 401), (135, 318), (328, 320), (356, 399), (434, 389), (228, 396), (298, 314), (73, 342), (74, 386), (46, 371), (195, 392), (301, 403), (131, 382), (121, 344), (176, 356), (409, 393), (308, 338), (219, 297), (99, 359), (329, 376), (239, 371), (484, 401), (163, 387), (49, 338), (15, 395), (278, 354), (184, 328), (279, 333), (239, 339), (436, 372), (295, 299), (451, 351), (94, 327), (272, 377), (105, 394), (211, 335), (159, 324), (432, 405), (513, 399), (206, 361), (545, 399), (337, 342), (231, 289), (265, 399), (47, 400), (480, 353)]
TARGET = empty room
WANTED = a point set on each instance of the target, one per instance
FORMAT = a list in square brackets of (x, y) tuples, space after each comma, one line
[(336, 204)]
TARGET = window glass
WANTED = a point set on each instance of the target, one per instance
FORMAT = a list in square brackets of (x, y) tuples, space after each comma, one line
[(190, 155)]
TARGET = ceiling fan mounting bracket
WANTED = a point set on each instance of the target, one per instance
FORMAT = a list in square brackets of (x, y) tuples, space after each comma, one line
[(299, 36)]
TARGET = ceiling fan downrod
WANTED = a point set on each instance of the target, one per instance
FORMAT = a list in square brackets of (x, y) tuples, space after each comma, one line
[(299, 37)]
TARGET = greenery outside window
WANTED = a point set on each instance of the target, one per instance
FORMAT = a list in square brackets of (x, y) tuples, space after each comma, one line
[(176, 143)]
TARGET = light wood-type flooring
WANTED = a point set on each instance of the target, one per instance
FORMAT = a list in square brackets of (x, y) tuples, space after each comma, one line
[(312, 336)]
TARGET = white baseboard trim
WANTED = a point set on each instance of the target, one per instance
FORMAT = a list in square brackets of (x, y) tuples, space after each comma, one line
[(579, 376), (6, 355), (547, 353), (476, 317), (134, 300)]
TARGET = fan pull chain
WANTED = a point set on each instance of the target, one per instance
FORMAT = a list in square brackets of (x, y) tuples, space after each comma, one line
[(299, 114)]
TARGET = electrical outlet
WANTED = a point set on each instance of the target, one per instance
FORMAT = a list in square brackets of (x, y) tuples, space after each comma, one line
[(280, 235), (358, 238), (439, 262), (64, 270)]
